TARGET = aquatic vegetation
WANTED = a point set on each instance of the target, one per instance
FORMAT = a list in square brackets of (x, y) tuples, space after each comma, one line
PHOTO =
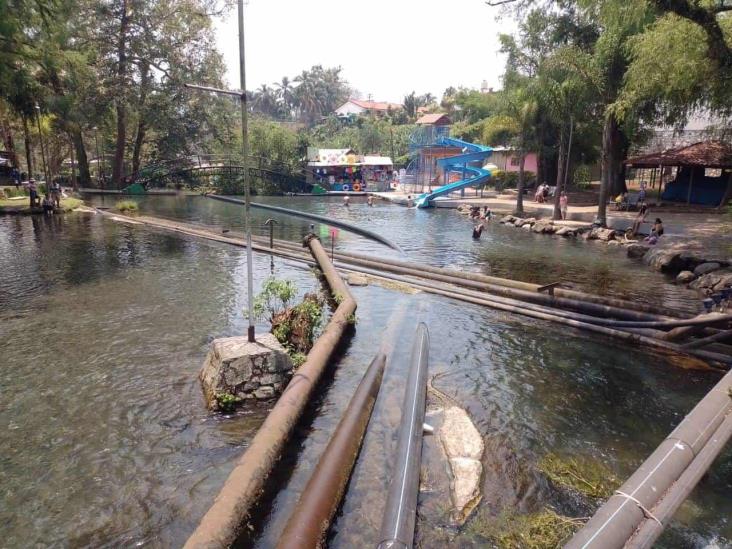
[(298, 359), (126, 206), (587, 476), (226, 401), (543, 530)]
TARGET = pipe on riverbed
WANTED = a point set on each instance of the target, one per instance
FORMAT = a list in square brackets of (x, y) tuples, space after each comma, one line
[(321, 496), (519, 307), (614, 523), (651, 312), (314, 217), (649, 530), (397, 526), (222, 523)]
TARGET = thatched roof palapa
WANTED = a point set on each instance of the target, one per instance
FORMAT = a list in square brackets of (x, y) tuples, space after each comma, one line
[(707, 154)]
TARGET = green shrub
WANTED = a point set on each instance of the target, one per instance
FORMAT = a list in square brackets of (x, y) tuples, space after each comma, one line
[(226, 401), (581, 178), (274, 298), (126, 206), (509, 180)]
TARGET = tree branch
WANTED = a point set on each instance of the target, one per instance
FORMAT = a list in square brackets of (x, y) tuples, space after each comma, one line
[(500, 2), (719, 51)]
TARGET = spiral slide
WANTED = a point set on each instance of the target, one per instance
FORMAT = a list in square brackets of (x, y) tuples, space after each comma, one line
[(471, 175)]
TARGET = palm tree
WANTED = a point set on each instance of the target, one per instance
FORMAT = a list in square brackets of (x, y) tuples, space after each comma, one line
[(286, 95)]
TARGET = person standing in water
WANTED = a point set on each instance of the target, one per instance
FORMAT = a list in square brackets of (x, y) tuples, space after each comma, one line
[(346, 200), (370, 200), (563, 201)]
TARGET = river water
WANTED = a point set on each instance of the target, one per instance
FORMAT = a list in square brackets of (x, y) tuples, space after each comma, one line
[(106, 440)]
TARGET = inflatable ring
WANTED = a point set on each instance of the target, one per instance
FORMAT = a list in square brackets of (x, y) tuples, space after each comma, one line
[(346, 187), (357, 187)]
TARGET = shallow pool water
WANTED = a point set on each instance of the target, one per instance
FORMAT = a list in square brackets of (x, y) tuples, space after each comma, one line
[(105, 326)]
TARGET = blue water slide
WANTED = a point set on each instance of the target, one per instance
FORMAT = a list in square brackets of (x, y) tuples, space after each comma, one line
[(471, 175)]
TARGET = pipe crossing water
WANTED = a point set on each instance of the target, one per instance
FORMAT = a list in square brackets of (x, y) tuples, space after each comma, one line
[(397, 526)]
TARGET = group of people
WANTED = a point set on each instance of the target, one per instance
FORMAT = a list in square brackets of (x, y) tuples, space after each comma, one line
[(656, 229), (542, 193), (51, 200), (347, 200)]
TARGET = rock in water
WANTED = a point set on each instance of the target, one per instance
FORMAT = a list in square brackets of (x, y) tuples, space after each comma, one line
[(463, 446), (684, 277), (705, 268)]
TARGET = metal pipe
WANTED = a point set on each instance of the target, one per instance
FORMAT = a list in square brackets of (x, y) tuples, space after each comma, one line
[(496, 302), (649, 530), (223, 521), (721, 336), (397, 526), (614, 523), (322, 495), (334, 222)]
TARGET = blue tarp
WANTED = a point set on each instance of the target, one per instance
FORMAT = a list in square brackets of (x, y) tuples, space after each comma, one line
[(704, 190)]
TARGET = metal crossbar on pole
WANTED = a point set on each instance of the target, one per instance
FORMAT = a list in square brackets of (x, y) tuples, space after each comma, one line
[(242, 95)]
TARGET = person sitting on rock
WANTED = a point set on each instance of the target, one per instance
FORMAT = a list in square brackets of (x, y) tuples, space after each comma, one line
[(639, 220), (656, 232)]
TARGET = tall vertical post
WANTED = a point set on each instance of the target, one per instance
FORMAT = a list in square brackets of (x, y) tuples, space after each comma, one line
[(245, 166), (43, 150)]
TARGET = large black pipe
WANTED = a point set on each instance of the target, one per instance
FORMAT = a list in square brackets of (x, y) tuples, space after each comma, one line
[(314, 217), (400, 512)]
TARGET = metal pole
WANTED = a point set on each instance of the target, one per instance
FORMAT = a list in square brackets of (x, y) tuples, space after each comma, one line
[(245, 166), (43, 152)]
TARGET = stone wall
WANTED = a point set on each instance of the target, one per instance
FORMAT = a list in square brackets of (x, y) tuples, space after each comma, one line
[(236, 368)]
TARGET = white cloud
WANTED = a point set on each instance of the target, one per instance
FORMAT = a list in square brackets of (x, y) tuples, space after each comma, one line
[(387, 48)]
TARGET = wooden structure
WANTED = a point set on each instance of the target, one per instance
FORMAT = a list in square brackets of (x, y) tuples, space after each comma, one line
[(708, 164)]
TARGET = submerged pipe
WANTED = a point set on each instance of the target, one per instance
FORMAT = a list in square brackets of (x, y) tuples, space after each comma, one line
[(222, 523), (314, 217), (614, 523), (517, 306), (649, 530), (397, 526), (323, 493)]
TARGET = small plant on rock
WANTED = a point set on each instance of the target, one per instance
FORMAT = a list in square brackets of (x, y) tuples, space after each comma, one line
[(226, 401), (274, 298)]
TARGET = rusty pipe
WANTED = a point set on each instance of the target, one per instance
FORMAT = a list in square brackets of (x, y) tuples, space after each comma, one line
[(223, 521), (321, 496)]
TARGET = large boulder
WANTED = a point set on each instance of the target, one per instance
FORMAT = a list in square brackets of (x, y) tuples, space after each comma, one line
[(666, 261), (714, 281), (636, 251), (600, 233), (525, 221), (543, 226), (507, 219), (565, 231), (705, 268), (236, 370)]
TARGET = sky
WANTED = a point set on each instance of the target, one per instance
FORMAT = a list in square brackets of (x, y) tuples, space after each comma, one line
[(387, 48)]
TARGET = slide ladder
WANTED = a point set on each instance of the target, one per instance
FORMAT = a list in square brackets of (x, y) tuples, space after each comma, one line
[(470, 175)]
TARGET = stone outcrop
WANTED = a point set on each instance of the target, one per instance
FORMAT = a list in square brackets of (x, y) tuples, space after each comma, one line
[(636, 251), (542, 226), (237, 370), (463, 447), (507, 219), (357, 279), (714, 281), (705, 268), (598, 233), (665, 261)]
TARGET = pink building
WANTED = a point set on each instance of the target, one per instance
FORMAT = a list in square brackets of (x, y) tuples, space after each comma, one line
[(507, 160)]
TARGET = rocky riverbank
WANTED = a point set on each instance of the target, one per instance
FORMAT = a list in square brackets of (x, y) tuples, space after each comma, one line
[(700, 271)]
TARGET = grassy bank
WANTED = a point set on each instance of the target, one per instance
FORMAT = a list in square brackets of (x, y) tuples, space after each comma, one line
[(23, 207)]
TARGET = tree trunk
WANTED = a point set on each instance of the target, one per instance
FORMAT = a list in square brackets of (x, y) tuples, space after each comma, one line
[(119, 150), (28, 151), (82, 160), (557, 214), (520, 185), (617, 156), (608, 167), (141, 125)]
